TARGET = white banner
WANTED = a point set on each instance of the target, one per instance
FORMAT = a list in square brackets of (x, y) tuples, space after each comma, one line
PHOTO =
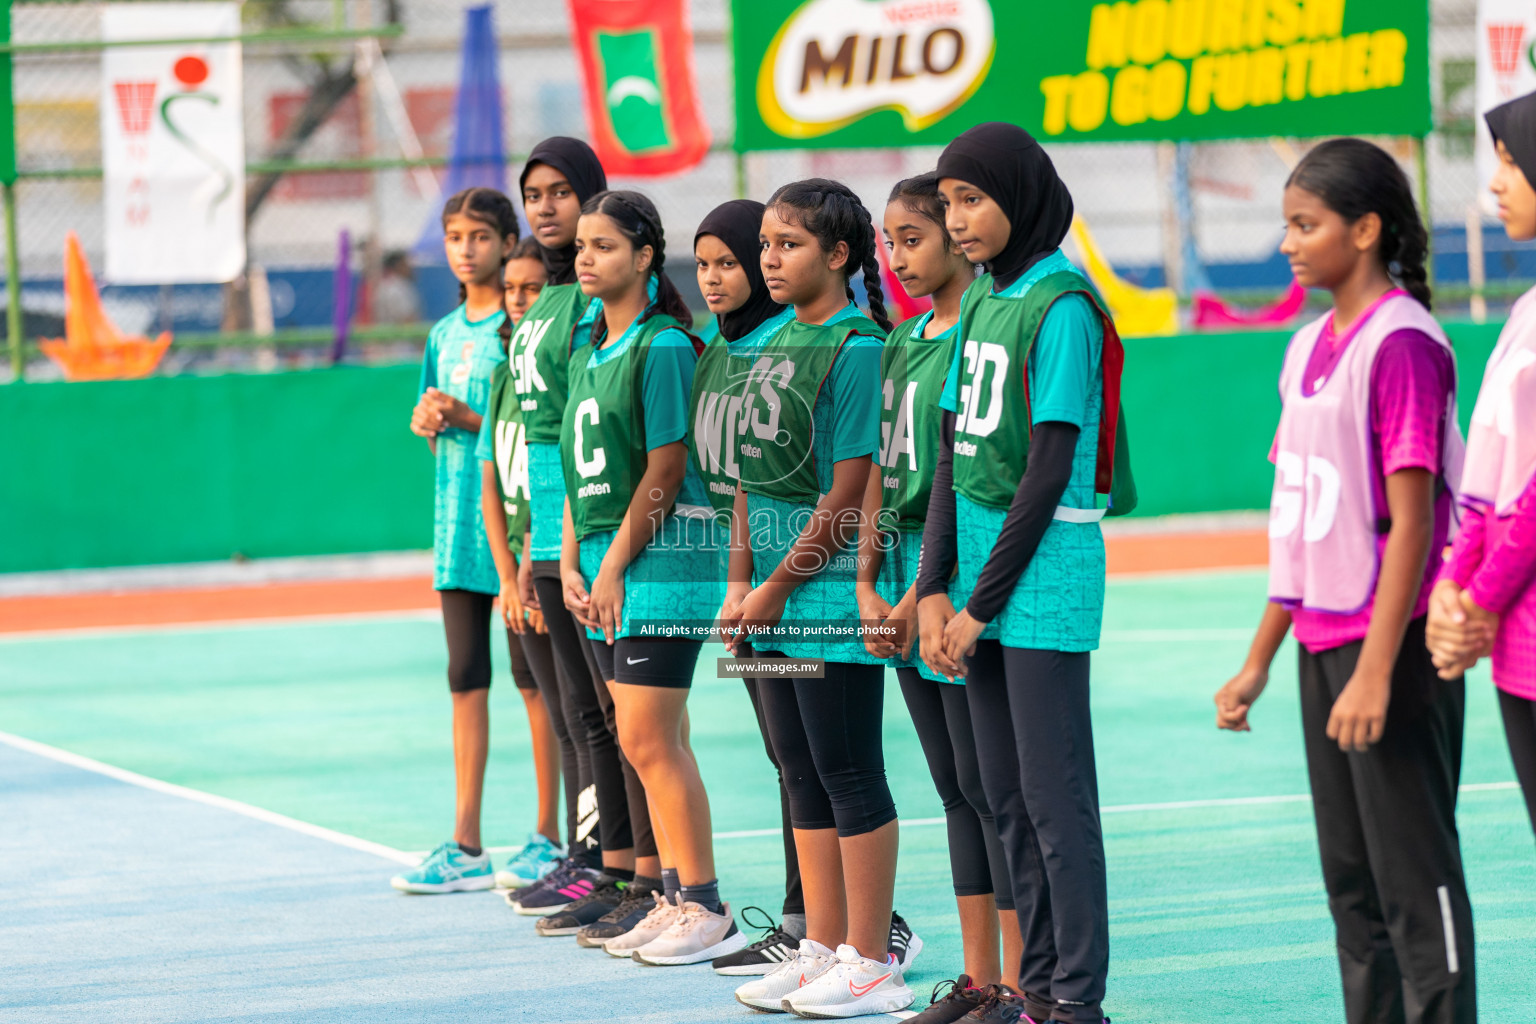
[(173, 145), (1506, 68)]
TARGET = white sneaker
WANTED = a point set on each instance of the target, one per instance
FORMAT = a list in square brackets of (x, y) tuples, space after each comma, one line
[(651, 926), (768, 992), (852, 987), (694, 935)]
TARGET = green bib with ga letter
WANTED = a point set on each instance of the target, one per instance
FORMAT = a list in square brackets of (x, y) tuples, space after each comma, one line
[(602, 439), (714, 414), (912, 371), (540, 356), (778, 410), (992, 425)]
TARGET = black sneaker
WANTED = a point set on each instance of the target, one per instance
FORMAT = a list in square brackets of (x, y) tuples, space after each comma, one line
[(634, 906), (765, 955), (1003, 1006), (584, 911), (903, 943), (946, 1007)]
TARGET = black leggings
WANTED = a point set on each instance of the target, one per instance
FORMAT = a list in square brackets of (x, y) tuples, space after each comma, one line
[(794, 895), (584, 713), (534, 657), (1386, 833), (940, 712), (826, 733), (1520, 730), (622, 813), (1034, 743), (467, 628)]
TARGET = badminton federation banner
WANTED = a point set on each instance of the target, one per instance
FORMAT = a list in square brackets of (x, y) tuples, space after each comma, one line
[(173, 146), (846, 73), (1506, 68), (641, 92)]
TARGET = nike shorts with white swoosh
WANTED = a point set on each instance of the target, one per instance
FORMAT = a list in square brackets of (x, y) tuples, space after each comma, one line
[(648, 661)]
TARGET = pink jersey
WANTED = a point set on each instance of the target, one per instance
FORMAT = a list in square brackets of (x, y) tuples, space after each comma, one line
[(1495, 556), (1377, 400)]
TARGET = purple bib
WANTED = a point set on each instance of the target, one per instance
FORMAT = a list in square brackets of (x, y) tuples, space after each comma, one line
[(1322, 514)]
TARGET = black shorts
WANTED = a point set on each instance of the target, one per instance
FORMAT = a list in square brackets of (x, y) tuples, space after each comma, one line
[(648, 661), (467, 625)]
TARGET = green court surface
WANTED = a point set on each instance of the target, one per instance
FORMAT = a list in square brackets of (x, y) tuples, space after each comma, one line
[(1216, 905)]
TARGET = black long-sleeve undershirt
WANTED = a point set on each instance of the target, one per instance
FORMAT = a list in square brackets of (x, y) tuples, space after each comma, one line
[(1046, 476)]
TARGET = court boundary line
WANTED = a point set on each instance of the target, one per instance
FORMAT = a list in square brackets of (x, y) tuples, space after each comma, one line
[(409, 857), (209, 799)]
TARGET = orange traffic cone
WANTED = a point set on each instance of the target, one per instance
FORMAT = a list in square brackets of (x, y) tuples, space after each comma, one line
[(92, 347)]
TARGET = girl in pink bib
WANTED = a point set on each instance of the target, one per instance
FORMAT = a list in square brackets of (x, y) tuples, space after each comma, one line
[(1367, 457), (1485, 601)]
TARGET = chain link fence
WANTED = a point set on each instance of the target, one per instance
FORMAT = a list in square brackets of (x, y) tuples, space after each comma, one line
[(367, 188)]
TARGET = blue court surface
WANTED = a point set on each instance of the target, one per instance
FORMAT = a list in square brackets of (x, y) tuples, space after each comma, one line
[(198, 824)]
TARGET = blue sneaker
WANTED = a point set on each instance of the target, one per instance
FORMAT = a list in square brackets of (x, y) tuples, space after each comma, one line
[(447, 869), (537, 858)]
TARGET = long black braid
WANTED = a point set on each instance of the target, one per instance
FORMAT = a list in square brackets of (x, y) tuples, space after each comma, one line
[(833, 213), (495, 210), (636, 217), (1353, 178)]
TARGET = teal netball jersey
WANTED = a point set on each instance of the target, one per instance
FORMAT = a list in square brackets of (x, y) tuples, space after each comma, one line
[(460, 358), (845, 425), (1058, 603), (673, 580)]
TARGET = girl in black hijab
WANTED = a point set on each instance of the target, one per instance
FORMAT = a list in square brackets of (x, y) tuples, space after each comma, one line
[(1032, 403), (726, 249), (1005, 162), (737, 224), (583, 171)]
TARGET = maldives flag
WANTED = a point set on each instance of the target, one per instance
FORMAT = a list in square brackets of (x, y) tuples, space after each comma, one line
[(637, 71)]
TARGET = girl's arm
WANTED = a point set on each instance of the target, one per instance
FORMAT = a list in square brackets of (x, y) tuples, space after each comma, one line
[(1234, 699), (1508, 569), (738, 573), (1360, 713), (658, 487), (832, 526), (572, 582), (495, 515), (872, 607), (937, 562)]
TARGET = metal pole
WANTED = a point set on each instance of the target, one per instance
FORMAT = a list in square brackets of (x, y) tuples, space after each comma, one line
[(741, 175), (1421, 165), (12, 282)]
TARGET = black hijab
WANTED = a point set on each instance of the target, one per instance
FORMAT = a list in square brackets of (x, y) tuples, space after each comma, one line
[(738, 224), (1005, 162), (1514, 124), (574, 159)]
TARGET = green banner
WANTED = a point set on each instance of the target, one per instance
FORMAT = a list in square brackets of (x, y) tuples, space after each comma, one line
[(851, 73)]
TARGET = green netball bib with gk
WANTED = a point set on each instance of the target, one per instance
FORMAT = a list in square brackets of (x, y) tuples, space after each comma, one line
[(540, 356), (992, 424), (778, 411), (602, 439), (912, 370), (510, 455)]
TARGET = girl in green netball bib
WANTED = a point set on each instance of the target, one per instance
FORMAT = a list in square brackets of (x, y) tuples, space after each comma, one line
[(637, 558), (1031, 406), (913, 367), (811, 429)]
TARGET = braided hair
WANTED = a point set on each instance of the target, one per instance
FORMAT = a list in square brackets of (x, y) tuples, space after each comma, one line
[(831, 212), (495, 210), (637, 219), (1353, 178)]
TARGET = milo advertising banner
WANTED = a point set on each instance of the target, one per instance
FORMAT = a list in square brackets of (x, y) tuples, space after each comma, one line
[(849, 73)]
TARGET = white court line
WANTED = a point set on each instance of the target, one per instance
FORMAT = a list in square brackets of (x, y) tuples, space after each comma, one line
[(1175, 635), (198, 796), (412, 857), (219, 625)]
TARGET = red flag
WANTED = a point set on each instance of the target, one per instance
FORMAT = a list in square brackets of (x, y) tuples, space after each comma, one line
[(641, 93)]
